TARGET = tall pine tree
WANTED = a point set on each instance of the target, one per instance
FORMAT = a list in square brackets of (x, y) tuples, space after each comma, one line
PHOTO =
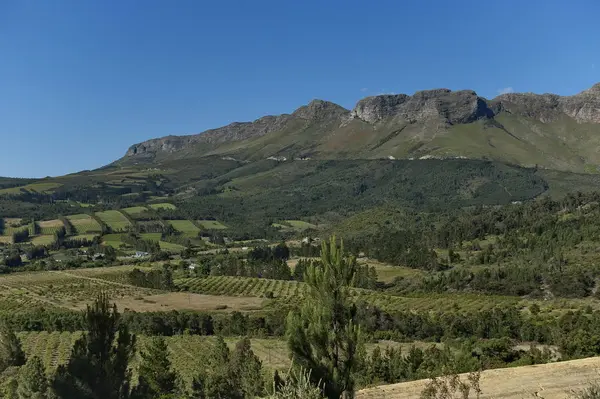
[(156, 376), (322, 336), (11, 352), (246, 368), (99, 366), (32, 382)]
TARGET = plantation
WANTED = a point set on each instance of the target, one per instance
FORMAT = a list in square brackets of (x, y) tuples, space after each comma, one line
[(115, 220)]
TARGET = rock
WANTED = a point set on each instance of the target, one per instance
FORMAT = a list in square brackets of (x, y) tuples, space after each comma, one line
[(452, 107)]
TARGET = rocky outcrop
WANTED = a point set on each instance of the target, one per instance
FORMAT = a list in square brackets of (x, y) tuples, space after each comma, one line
[(451, 106), (583, 107), (318, 110)]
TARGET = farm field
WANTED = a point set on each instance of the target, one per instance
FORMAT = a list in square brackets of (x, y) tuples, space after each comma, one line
[(84, 224), (114, 219), (185, 350), (164, 205), (300, 224), (189, 301), (211, 225), (43, 239), (186, 227), (50, 226), (135, 210), (13, 225), (66, 289), (151, 236), (34, 187), (170, 247), (114, 240)]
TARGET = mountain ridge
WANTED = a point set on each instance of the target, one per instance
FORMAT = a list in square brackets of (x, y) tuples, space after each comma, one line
[(428, 123)]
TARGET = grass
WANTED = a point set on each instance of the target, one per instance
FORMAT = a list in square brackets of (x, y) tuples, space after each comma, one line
[(163, 205), (114, 219), (114, 240), (50, 226), (135, 210), (84, 224), (151, 236), (300, 224), (5, 239), (43, 240), (211, 225), (388, 273), (170, 247), (186, 227)]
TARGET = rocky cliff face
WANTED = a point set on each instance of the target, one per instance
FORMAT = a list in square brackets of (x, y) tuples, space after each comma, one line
[(453, 107), (583, 107)]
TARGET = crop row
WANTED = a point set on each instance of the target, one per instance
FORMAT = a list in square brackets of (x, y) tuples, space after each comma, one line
[(242, 286)]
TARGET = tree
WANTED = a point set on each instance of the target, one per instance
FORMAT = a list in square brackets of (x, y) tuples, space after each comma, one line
[(32, 382), (98, 367), (215, 379), (322, 336), (11, 352), (296, 385), (246, 367), (156, 377)]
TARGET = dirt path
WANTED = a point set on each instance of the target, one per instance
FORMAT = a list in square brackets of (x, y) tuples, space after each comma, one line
[(548, 381)]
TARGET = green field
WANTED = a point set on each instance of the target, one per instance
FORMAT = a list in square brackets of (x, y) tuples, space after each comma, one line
[(170, 247), (135, 210), (43, 239), (151, 236), (300, 224), (84, 224), (164, 205), (186, 227), (211, 225), (114, 240), (115, 220)]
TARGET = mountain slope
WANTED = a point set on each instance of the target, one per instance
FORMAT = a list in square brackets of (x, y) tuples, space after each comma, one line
[(527, 129)]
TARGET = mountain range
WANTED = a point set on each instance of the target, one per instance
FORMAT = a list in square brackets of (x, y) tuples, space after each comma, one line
[(544, 130)]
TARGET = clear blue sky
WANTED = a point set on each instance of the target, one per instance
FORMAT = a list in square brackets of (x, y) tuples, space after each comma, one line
[(82, 80)]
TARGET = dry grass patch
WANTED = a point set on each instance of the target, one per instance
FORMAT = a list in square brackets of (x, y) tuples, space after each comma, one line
[(189, 301), (549, 381)]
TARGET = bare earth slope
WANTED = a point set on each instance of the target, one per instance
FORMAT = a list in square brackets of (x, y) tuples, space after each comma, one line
[(550, 381)]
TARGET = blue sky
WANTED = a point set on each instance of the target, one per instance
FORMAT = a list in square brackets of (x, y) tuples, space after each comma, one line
[(80, 81)]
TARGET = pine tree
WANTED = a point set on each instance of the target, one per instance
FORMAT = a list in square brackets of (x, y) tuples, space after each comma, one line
[(246, 368), (32, 382), (215, 379), (98, 367), (11, 352), (156, 376), (322, 336)]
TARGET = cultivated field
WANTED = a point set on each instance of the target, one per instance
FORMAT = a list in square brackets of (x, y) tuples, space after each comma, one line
[(34, 187), (135, 211), (71, 290), (211, 225), (84, 224), (548, 381), (43, 239), (189, 301), (186, 227), (114, 219), (49, 227)]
